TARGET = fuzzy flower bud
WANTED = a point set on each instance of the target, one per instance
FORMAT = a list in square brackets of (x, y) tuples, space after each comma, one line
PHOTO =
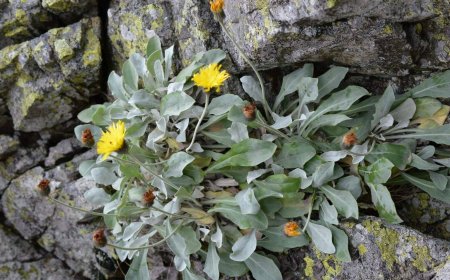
[(99, 238), (349, 139), (217, 6), (291, 229), (249, 111), (44, 187), (148, 197), (87, 138)]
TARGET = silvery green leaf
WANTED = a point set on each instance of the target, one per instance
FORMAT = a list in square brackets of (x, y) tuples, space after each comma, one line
[(252, 175), (178, 246), (115, 85), (144, 99), (428, 187), (180, 263), (210, 56), (298, 173), (326, 120), (436, 86), (192, 113), (330, 80), (189, 275), (383, 106), (182, 126), (328, 213), (308, 90), (217, 237), (226, 182), (131, 230), (306, 182), (111, 206), (175, 103), (104, 176), (438, 135), (244, 247), (323, 174), (139, 268), (281, 122), (138, 62), (130, 75), (160, 185), (344, 201), (291, 82), (321, 237), (222, 104), (168, 55), (175, 87), (340, 240), (276, 169), (381, 198), (196, 148), (295, 154), (378, 172), (405, 111), (443, 161), (97, 196), (247, 201), (212, 263), (135, 194), (153, 137), (252, 88), (177, 162), (386, 122), (439, 180), (359, 151), (427, 152), (233, 213), (350, 183), (268, 137), (263, 268), (238, 132), (275, 240), (334, 155), (159, 71), (422, 164)]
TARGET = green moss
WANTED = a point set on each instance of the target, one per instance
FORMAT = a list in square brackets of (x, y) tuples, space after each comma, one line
[(362, 249), (309, 269), (63, 50), (386, 240), (17, 26), (93, 55), (331, 3)]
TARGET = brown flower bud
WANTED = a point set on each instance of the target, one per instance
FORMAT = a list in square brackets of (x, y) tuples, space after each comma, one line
[(216, 6), (44, 187), (249, 111), (99, 238), (291, 229), (148, 197), (349, 139), (87, 138)]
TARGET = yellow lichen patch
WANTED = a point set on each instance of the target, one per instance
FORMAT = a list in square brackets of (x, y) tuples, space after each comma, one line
[(362, 249), (386, 240), (92, 56), (331, 3), (309, 269), (388, 29), (63, 50)]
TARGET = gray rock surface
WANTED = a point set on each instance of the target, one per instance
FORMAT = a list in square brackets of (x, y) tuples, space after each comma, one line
[(54, 73), (379, 251)]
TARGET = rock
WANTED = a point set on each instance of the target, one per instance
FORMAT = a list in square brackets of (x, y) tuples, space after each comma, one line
[(378, 250), (62, 151), (14, 248), (52, 225), (426, 214), (8, 145), (24, 20), (41, 269), (55, 73)]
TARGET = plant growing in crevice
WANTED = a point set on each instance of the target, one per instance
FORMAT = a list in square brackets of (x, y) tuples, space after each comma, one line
[(212, 175)]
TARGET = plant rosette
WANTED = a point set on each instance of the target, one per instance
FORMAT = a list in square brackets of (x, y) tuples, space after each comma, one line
[(210, 174)]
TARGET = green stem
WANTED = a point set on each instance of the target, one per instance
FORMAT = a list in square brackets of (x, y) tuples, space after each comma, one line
[(81, 209), (309, 211), (148, 246), (241, 52), (259, 121), (199, 122)]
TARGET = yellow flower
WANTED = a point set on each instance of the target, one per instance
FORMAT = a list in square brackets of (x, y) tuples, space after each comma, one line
[(291, 229), (210, 77), (111, 140), (216, 6)]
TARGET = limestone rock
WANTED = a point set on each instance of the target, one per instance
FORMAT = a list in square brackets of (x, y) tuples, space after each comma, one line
[(378, 251), (24, 20), (54, 73)]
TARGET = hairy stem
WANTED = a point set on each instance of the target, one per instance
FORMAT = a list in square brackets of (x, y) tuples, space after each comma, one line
[(199, 122)]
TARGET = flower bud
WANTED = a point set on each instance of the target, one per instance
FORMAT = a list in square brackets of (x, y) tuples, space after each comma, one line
[(349, 139), (249, 111), (87, 138), (291, 229), (99, 238), (216, 6), (44, 187), (148, 197)]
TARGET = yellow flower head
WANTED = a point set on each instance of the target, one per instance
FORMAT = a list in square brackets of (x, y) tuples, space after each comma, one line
[(291, 229), (216, 6), (210, 77), (111, 140)]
